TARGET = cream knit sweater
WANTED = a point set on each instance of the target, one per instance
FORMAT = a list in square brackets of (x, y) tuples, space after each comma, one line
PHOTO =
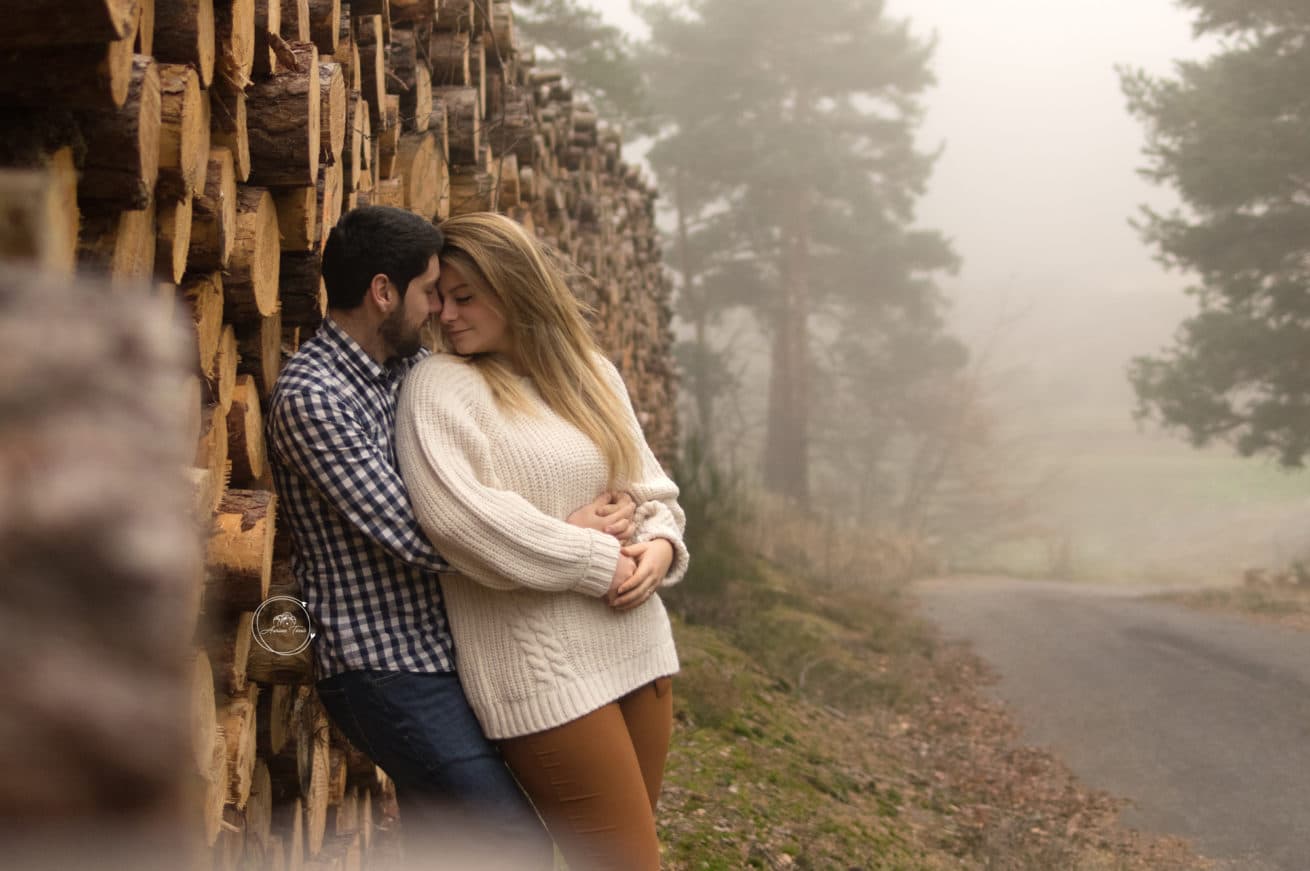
[(536, 645)]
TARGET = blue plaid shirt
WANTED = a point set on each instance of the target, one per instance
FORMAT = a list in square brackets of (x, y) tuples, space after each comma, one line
[(367, 571)]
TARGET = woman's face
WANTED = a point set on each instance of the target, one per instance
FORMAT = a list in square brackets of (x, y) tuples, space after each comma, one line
[(470, 320)]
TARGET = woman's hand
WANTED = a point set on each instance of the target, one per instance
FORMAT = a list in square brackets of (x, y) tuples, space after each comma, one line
[(653, 559), (610, 513)]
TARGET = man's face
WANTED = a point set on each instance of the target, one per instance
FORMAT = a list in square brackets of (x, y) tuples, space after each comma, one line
[(403, 328)]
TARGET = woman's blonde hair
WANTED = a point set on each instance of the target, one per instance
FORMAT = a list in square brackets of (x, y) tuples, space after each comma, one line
[(549, 333)]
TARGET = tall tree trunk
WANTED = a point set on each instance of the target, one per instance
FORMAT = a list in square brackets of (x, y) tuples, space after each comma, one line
[(786, 453), (701, 380)]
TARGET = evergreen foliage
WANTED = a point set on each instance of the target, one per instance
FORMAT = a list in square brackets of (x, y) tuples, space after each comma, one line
[(1229, 134)]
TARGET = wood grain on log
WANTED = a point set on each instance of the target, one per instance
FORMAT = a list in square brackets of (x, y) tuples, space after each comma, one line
[(228, 644), (234, 26), (260, 343), (214, 215), (419, 164), (230, 125), (332, 113), (120, 245), (245, 433), (240, 551), (409, 78), (203, 295), (387, 139), (145, 28), (330, 199), (122, 162), (174, 219), (297, 217), (224, 380), (216, 787), (283, 122), (238, 719), (250, 288), (372, 65)]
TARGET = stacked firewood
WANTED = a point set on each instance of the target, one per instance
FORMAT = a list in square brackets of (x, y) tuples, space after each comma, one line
[(207, 147)]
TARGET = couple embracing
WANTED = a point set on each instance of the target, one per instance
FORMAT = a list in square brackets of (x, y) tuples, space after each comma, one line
[(480, 534)]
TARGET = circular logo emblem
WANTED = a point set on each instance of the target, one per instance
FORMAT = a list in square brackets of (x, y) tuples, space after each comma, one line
[(282, 626)]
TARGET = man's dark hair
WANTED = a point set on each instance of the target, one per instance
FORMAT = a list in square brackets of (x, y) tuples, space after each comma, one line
[(376, 239)]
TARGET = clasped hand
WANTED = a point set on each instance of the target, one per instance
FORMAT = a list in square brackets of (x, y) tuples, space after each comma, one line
[(642, 566)]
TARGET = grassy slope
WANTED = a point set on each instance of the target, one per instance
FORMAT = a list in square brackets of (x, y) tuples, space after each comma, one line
[(824, 728)]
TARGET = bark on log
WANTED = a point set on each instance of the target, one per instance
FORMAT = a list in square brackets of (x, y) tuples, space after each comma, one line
[(174, 218), (259, 809), (234, 27), (41, 214), (283, 120), (472, 190), (241, 551), (289, 822), (412, 13), (268, 24), (120, 245), (63, 22), (448, 57), (94, 77), (214, 215), (300, 284), (504, 45), (388, 139), (513, 125), (245, 433), (325, 25), (260, 343), (184, 34), (463, 123), (295, 20), (372, 65), (507, 175), (455, 15), (250, 288), (314, 758), (211, 456), (409, 78), (122, 163), (276, 708), (230, 125)]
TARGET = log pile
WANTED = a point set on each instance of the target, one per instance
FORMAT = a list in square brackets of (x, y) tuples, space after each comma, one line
[(205, 148)]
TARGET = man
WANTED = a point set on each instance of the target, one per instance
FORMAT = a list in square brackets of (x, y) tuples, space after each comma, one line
[(384, 655)]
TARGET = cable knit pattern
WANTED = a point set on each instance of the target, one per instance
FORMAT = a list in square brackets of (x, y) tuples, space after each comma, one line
[(536, 646)]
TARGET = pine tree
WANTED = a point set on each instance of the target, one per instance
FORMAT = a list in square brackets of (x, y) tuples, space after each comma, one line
[(1229, 134)]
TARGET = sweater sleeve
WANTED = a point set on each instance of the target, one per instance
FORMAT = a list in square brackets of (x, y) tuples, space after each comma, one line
[(658, 513), (492, 535)]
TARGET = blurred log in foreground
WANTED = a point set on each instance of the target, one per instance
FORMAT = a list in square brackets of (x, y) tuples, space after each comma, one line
[(102, 559)]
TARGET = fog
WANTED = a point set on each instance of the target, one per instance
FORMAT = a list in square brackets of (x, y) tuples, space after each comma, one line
[(1035, 186)]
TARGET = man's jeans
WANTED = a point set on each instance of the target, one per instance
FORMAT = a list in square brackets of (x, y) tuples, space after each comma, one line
[(454, 791)]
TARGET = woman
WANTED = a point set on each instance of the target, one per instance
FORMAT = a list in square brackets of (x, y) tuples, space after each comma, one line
[(565, 650)]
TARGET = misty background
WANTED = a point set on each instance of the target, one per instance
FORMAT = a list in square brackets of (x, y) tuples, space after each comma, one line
[(1035, 186)]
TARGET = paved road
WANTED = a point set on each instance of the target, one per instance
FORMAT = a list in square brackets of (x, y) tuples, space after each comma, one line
[(1202, 720)]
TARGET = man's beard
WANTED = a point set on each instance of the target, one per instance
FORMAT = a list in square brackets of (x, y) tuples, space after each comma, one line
[(401, 339)]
